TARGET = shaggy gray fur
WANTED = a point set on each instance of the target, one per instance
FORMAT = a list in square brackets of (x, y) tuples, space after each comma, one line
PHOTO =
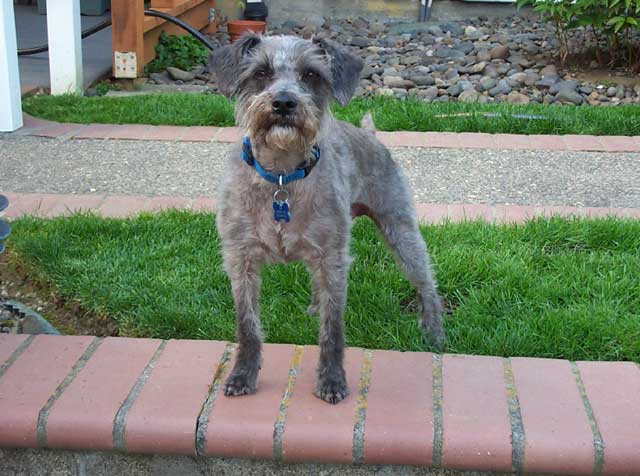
[(355, 176)]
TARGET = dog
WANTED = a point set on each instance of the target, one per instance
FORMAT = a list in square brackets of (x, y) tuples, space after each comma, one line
[(293, 186)]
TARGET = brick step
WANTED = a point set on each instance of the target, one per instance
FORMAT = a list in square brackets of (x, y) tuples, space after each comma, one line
[(406, 408)]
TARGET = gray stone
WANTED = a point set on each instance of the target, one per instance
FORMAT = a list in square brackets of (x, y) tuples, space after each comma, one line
[(360, 41), (428, 94), (453, 28), (410, 60), (478, 67), (564, 85), (455, 90), (384, 92), (549, 70), (423, 80), (517, 79), (179, 75), (468, 96), (547, 82), (567, 96), (620, 91), (611, 92), (442, 51), (398, 82), (502, 88), (161, 78), (435, 30), (500, 52), (483, 55), (514, 97), (486, 84), (466, 47)]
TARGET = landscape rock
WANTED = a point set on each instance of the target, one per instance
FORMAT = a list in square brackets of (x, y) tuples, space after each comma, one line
[(566, 96), (514, 97), (469, 95), (511, 59), (179, 75), (500, 52)]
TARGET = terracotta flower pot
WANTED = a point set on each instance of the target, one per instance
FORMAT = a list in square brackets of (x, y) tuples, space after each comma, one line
[(238, 27)]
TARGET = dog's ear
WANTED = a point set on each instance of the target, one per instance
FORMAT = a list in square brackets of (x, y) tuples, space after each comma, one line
[(227, 62), (345, 69)]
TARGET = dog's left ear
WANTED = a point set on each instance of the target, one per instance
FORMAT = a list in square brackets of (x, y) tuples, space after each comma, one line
[(227, 63), (345, 69)]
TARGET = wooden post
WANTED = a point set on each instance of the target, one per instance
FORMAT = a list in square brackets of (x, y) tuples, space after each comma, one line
[(127, 38), (65, 46), (10, 101)]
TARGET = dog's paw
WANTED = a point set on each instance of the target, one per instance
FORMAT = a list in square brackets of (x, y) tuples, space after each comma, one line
[(239, 384), (434, 334), (332, 391)]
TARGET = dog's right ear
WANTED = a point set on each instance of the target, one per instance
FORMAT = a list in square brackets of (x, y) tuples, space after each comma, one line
[(227, 63)]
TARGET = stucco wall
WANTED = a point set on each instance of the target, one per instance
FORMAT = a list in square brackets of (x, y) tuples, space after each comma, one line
[(314, 10)]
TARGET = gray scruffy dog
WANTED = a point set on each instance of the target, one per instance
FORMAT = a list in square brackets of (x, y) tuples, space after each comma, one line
[(284, 86)]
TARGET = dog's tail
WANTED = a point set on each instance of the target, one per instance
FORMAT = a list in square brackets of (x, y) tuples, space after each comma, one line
[(367, 123)]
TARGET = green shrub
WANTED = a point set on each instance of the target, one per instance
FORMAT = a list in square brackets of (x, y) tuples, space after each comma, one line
[(615, 23), (182, 52)]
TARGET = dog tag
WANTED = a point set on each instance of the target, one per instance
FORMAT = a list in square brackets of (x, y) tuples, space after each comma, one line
[(281, 211)]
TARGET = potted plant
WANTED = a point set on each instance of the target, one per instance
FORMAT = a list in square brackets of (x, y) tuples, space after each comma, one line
[(255, 14)]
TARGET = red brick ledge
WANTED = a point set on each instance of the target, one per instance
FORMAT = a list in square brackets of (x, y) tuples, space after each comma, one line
[(411, 408), (51, 205), (464, 140)]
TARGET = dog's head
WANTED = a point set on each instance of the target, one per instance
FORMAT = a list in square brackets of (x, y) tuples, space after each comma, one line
[(284, 85)]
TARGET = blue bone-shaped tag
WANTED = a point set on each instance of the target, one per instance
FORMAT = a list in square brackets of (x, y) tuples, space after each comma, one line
[(281, 211)]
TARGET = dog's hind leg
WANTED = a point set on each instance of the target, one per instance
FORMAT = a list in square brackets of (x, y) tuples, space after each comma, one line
[(245, 285), (400, 229)]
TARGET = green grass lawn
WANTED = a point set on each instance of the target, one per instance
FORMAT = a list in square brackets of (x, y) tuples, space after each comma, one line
[(388, 114), (565, 288)]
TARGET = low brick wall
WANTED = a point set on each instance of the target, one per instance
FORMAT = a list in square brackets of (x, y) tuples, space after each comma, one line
[(414, 409)]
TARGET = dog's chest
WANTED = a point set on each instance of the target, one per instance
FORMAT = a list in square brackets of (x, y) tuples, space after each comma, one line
[(282, 241)]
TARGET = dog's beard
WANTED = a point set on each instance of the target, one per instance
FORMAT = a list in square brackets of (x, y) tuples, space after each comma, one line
[(293, 133)]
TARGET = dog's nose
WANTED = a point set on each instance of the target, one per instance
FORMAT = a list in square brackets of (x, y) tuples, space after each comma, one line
[(284, 104)]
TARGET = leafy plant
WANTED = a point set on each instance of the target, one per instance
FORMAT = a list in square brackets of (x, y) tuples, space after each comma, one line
[(103, 87), (615, 23), (182, 52)]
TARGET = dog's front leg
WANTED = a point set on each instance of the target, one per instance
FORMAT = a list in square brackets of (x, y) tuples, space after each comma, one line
[(245, 284), (331, 278)]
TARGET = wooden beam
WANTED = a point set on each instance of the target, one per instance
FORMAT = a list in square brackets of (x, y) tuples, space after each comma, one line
[(127, 17)]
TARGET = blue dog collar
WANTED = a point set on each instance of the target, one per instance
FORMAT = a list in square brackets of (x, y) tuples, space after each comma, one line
[(282, 179)]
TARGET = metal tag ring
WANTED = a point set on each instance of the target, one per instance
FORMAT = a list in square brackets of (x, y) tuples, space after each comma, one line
[(283, 191)]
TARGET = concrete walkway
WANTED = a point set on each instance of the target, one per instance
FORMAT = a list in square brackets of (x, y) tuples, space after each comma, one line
[(437, 175)]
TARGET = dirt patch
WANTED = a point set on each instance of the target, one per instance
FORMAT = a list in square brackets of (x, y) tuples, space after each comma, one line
[(67, 316)]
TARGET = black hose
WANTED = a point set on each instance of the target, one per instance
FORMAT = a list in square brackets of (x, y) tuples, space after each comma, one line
[(185, 26), (102, 25)]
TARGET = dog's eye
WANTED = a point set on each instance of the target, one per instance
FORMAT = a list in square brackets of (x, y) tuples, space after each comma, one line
[(261, 74), (310, 75)]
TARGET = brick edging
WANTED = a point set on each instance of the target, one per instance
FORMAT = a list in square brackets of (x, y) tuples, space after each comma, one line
[(52, 205), (451, 140), (545, 415)]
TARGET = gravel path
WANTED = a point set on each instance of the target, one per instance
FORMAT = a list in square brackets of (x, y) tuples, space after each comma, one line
[(31, 164)]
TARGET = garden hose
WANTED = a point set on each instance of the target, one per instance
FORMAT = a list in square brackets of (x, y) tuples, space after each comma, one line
[(106, 23)]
